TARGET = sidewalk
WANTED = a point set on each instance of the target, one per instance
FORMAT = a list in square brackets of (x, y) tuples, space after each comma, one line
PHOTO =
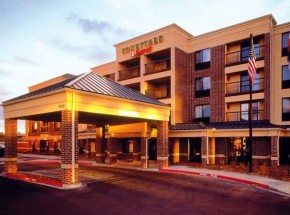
[(281, 187), (270, 184)]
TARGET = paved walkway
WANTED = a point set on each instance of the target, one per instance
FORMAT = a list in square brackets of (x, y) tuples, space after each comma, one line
[(278, 186)]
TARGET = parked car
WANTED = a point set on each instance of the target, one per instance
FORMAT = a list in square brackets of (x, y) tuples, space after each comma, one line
[(2, 149)]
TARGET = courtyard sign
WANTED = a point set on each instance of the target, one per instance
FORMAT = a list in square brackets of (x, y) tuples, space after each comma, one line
[(143, 47)]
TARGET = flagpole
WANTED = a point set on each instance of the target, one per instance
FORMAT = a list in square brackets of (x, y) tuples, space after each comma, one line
[(250, 165), (250, 130)]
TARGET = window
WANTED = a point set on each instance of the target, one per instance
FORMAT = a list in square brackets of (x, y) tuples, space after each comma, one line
[(34, 127), (202, 87), (245, 111), (57, 126), (202, 113), (245, 50), (245, 82), (127, 146), (286, 109), (285, 77), (202, 59), (285, 38)]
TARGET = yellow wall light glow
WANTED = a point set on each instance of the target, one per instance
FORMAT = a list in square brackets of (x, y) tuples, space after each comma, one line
[(128, 113)]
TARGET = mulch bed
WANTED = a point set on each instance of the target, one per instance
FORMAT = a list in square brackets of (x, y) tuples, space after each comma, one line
[(280, 172)]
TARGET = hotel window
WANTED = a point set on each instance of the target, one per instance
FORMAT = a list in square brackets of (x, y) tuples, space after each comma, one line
[(57, 126), (286, 109), (285, 38), (285, 77), (245, 111), (202, 59), (245, 82), (202, 87), (34, 127), (127, 146), (202, 113), (245, 50)]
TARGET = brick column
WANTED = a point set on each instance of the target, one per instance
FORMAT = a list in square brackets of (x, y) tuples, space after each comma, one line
[(136, 149), (175, 151), (211, 150), (112, 150), (274, 154), (66, 151), (100, 146), (143, 152), (10, 137), (162, 145), (204, 150)]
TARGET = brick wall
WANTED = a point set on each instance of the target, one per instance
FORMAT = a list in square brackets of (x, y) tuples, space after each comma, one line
[(274, 154), (267, 78), (162, 144), (143, 152), (112, 150), (183, 88), (66, 151), (10, 156), (261, 151)]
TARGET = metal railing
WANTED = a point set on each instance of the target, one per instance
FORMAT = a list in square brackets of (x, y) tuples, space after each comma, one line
[(158, 66), (244, 115), (242, 56), (244, 86), (159, 93), (132, 72)]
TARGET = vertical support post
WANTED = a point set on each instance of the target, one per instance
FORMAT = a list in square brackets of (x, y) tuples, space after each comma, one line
[(10, 137), (69, 152), (144, 152), (162, 145)]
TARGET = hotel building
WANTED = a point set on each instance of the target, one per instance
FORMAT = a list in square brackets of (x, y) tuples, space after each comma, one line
[(205, 82)]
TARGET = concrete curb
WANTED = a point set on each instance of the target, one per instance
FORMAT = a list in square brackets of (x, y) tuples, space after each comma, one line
[(230, 178)]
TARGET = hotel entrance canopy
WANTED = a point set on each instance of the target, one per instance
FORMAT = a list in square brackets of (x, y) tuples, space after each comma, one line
[(89, 99), (97, 99)]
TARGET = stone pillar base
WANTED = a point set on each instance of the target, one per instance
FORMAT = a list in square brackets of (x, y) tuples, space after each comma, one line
[(100, 158), (112, 159), (10, 165), (162, 162), (67, 176)]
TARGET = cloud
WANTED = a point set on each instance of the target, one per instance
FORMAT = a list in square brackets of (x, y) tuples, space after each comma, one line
[(24, 61)]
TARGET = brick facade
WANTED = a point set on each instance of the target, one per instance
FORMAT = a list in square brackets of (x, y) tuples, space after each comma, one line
[(143, 152), (274, 153), (162, 144), (100, 145), (183, 87), (204, 150), (112, 144), (66, 151), (267, 78), (10, 156)]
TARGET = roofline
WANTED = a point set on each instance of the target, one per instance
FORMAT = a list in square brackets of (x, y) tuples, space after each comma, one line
[(270, 16), (117, 98), (173, 25), (32, 97)]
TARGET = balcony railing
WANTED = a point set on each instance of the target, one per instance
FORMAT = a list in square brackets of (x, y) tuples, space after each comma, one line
[(244, 115), (244, 86), (132, 72), (44, 129), (159, 93), (242, 56), (157, 66)]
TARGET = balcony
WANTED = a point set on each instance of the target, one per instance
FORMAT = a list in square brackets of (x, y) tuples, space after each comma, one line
[(129, 73), (244, 115), (241, 87), (157, 66), (159, 93), (242, 56)]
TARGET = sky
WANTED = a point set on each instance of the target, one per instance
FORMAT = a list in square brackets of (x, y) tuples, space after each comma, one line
[(43, 39)]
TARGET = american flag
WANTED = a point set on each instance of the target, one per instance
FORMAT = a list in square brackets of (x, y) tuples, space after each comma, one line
[(252, 62)]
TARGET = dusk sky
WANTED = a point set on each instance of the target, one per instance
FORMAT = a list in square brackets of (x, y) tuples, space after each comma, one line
[(42, 39)]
